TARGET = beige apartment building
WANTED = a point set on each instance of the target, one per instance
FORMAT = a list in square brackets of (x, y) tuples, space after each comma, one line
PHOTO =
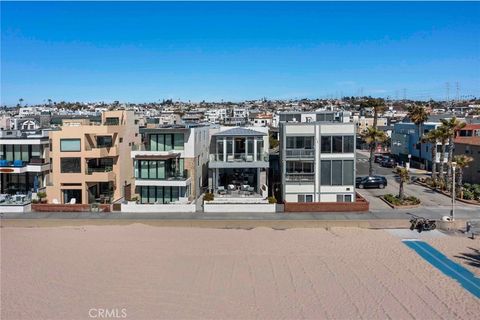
[(91, 162)]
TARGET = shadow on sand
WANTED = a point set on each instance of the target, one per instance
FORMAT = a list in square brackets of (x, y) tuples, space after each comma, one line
[(472, 258)]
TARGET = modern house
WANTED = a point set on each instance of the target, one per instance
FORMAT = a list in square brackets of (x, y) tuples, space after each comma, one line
[(91, 162), (317, 161), (24, 166), (170, 168), (407, 147), (467, 142), (238, 169)]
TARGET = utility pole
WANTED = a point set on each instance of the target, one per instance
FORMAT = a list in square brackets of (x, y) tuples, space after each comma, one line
[(447, 91), (404, 95), (457, 87)]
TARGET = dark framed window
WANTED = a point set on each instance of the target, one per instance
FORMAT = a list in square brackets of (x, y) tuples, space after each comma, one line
[(326, 144), (104, 142), (336, 172), (70, 145), (326, 173), (70, 165), (337, 143), (348, 172), (348, 144)]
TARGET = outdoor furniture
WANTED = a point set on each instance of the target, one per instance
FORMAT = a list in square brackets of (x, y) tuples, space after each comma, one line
[(73, 201), (232, 187), (221, 190), (230, 158), (3, 163), (55, 201), (18, 163)]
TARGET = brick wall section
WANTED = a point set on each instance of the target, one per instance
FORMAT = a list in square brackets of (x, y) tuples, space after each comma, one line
[(360, 205), (67, 207)]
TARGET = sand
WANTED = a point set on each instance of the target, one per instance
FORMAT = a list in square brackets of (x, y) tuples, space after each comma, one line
[(186, 273)]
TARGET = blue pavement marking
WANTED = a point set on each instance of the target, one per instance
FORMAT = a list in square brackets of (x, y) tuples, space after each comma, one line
[(452, 269)]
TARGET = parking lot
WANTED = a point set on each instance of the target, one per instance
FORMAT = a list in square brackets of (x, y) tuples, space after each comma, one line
[(428, 198)]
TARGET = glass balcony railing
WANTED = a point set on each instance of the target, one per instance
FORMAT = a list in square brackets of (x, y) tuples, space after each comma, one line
[(239, 157), (169, 175), (300, 153), (21, 163), (300, 177), (91, 170)]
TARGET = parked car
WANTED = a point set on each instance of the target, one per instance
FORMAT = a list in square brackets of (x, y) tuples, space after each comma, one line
[(372, 182), (378, 158), (358, 179), (388, 162)]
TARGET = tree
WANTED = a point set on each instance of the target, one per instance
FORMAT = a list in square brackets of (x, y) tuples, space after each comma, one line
[(463, 161), (372, 136), (403, 177), (432, 137), (20, 101), (418, 115), (451, 126), (377, 104)]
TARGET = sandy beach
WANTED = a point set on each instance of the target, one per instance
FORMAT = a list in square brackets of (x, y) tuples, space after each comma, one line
[(187, 273)]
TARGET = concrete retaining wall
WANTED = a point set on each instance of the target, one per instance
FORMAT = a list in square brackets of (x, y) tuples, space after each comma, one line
[(47, 207), (16, 208), (239, 207), (360, 205)]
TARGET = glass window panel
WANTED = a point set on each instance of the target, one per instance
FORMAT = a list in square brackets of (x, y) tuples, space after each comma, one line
[(153, 142), (151, 195), (69, 145), (166, 195), (301, 198), (70, 165), (299, 142), (161, 170), (168, 142), (178, 141), (290, 142), (152, 170), (329, 117), (160, 194), (161, 142), (348, 198), (348, 144), (308, 167), (229, 146), (337, 172), (308, 198), (181, 166), (348, 172), (135, 168), (325, 170), (175, 193), (17, 152), (36, 152), (9, 155), (144, 169), (326, 144), (24, 151), (308, 142), (337, 144), (339, 197)]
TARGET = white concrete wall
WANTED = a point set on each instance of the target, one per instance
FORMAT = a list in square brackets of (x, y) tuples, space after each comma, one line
[(300, 188), (26, 208), (226, 208), (127, 207)]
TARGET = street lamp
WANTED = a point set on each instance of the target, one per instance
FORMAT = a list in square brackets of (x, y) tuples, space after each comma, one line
[(452, 212)]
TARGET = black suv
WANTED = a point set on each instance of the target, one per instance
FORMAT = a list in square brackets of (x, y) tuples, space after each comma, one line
[(372, 182)]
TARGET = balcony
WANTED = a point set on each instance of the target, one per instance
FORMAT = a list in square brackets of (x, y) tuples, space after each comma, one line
[(99, 174), (139, 150), (300, 177), (300, 153), (20, 166), (239, 160), (172, 178)]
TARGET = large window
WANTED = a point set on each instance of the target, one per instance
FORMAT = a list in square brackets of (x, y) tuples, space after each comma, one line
[(159, 169), (161, 195), (326, 144), (104, 142), (70, 165), (337, 144), (300, 167), (300, 142), (166, 142), (348, 144), (337, 173), (13, 152), (305, 198), (70, 145)]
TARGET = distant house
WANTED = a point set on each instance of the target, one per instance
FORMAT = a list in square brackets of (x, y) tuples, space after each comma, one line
[(467, 141)]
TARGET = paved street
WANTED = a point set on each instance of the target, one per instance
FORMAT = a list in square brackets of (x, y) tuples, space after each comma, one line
[(433, 203)]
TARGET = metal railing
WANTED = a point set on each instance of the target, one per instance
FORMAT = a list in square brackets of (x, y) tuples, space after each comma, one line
[(300, 153)]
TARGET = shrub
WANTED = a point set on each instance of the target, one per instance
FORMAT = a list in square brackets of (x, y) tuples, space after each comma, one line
[(134, 198), (411, 200), (35, 201), (208, 196), (41, 195), (272, 200), (468, 195)]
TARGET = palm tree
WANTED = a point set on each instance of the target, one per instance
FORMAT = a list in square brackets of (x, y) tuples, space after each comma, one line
[(463, 161), (20, 100), (418, 115), (372, 136), (378, 105), (451, 126), (442, 137), (403, 176), (432, 137)]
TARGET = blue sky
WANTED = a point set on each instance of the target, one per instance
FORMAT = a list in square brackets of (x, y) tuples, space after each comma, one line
[(136, 52)]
